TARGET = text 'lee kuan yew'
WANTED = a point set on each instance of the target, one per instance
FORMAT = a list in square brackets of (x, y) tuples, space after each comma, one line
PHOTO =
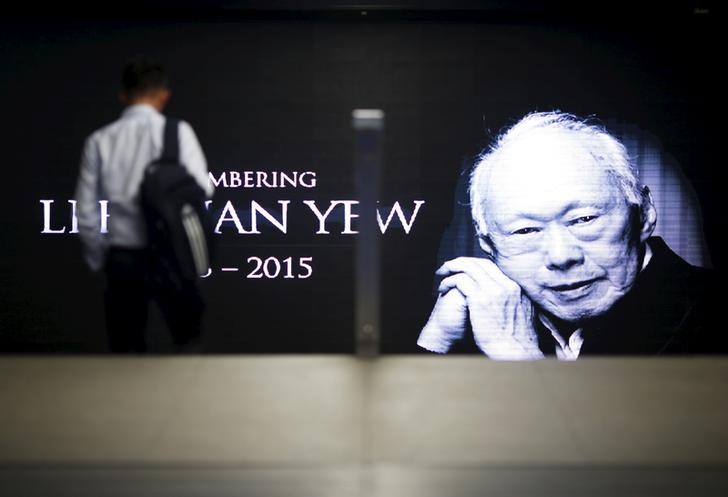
[(340, 213)]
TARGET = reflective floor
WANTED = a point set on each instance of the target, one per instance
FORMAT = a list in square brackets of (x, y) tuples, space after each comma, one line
[(331, 425)]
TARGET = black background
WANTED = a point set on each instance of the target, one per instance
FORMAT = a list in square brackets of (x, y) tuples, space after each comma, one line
[(274, 90)]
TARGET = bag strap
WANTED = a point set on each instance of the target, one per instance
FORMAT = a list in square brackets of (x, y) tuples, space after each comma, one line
[(170, 145)]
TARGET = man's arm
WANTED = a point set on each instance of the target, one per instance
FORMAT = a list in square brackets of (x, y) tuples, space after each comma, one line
[(87, 206), (500, 314), (193, 158), (446, 324)]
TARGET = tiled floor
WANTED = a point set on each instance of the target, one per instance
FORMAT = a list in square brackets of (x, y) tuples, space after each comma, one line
[(332, 425)]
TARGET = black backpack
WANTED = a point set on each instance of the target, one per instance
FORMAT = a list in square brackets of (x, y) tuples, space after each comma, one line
[(179, 226)]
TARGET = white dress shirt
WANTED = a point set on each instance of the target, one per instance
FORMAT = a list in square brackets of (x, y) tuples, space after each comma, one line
[(112, 167), (566, 351)]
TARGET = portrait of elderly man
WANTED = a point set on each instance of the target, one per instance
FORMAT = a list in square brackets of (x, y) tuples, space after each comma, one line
[(570, 265)]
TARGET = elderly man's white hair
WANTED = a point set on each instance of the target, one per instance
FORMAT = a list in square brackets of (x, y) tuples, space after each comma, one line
[(605, 149)]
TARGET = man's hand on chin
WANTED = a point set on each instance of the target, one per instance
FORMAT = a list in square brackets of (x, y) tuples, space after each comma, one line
[(501, 316)]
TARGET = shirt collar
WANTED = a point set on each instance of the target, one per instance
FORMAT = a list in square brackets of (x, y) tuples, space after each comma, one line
[(568, 350), (139, 109), (647, 257)]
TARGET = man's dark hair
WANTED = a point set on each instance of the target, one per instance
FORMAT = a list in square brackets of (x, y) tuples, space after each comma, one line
[(141, 76)]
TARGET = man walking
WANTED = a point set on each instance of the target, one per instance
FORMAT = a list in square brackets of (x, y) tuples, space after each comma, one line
[(112, 168)]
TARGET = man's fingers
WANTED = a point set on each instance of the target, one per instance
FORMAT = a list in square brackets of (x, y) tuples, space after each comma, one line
[(483, 271), (461, 282), (468, 265), (457, 265)]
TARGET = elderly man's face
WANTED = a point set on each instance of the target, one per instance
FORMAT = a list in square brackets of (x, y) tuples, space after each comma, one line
[(561, 228)]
